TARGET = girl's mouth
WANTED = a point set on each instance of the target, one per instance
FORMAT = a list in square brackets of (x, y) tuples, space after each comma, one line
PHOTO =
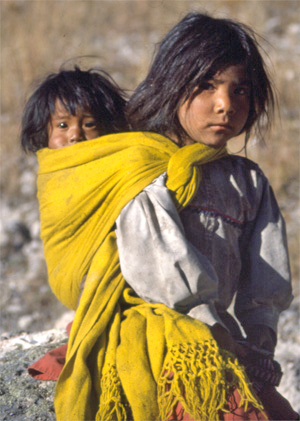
[(220, 126)]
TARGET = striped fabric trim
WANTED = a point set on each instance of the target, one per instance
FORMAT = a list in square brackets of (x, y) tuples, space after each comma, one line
[(215, 212)]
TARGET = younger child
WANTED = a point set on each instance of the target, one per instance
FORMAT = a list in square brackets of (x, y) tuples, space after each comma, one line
[(72, 106), (68, 107)]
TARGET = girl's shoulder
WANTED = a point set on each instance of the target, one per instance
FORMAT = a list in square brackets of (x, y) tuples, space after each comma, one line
[(243, 170), (235, 165), (233, 185), (240, 163), (235, 176)]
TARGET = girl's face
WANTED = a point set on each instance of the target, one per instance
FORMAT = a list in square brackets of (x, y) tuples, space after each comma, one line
[(65, 129), (220, 111)]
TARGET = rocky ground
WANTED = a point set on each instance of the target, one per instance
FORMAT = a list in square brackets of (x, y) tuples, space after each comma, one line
[(22, 397)]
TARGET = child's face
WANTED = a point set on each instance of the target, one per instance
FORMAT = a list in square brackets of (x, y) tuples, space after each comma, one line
[(220, 111), (65, 129)]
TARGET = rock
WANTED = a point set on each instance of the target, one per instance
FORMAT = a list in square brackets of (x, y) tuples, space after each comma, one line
[(23, 398)]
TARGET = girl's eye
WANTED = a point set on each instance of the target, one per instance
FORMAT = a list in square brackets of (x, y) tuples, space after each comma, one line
[(207, 86), (62, 125), (90, 124), (242, 90)]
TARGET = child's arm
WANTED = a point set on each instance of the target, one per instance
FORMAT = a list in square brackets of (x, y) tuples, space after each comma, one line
[(265, 284), (156, 259)]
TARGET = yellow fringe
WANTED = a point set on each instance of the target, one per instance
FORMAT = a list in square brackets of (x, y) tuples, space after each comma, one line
[(111, 405), (197, 376), (201, 379)]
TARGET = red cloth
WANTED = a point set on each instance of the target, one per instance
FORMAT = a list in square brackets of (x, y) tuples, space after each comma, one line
[(51, 364)]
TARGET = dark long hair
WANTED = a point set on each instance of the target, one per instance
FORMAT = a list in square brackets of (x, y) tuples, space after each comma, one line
[(193, 51), (93, 90)]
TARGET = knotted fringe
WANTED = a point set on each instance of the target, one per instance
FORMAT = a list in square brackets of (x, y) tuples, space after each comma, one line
[(112, 406), (201, 379), (199, 376)]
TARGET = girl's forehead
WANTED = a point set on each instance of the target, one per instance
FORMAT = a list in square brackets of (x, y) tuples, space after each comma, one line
[(63, 108), (236, 73), (59, 107)]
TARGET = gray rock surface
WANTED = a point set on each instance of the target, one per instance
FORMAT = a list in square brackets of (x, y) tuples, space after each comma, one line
[(23, 398)]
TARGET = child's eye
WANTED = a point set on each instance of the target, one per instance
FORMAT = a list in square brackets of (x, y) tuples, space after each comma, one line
[(62, 125), (90, 124), (242, 90), (207, 86)]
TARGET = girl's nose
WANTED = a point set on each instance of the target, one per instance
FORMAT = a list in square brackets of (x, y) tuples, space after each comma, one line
[(224, 103), (76, 134)]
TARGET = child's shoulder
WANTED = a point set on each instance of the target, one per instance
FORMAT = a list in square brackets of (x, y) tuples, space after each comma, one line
[(239, 171), (241, 161), (240, 164)]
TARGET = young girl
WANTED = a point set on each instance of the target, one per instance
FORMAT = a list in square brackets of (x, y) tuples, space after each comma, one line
[(109, 214), (208, 84), (72, 106), (214, 87)]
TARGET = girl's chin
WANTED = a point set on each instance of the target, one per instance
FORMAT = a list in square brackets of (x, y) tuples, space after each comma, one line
[(214, 143)]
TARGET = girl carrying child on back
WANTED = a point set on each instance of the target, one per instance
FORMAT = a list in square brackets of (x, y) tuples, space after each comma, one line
[(165, 227)]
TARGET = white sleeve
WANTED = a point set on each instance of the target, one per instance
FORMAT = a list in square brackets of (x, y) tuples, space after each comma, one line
[(157, 260), (265, 281)]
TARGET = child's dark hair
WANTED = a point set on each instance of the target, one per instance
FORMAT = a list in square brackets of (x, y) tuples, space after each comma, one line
[(193, 51), (92, 90)]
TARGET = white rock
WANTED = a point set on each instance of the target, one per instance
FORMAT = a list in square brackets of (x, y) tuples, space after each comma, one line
[(27, 340)]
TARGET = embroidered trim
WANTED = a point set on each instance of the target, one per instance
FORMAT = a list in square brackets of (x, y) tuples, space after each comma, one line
[(213, 212)]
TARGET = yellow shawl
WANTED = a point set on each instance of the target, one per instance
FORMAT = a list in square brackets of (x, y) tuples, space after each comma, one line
[(122, 351)]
